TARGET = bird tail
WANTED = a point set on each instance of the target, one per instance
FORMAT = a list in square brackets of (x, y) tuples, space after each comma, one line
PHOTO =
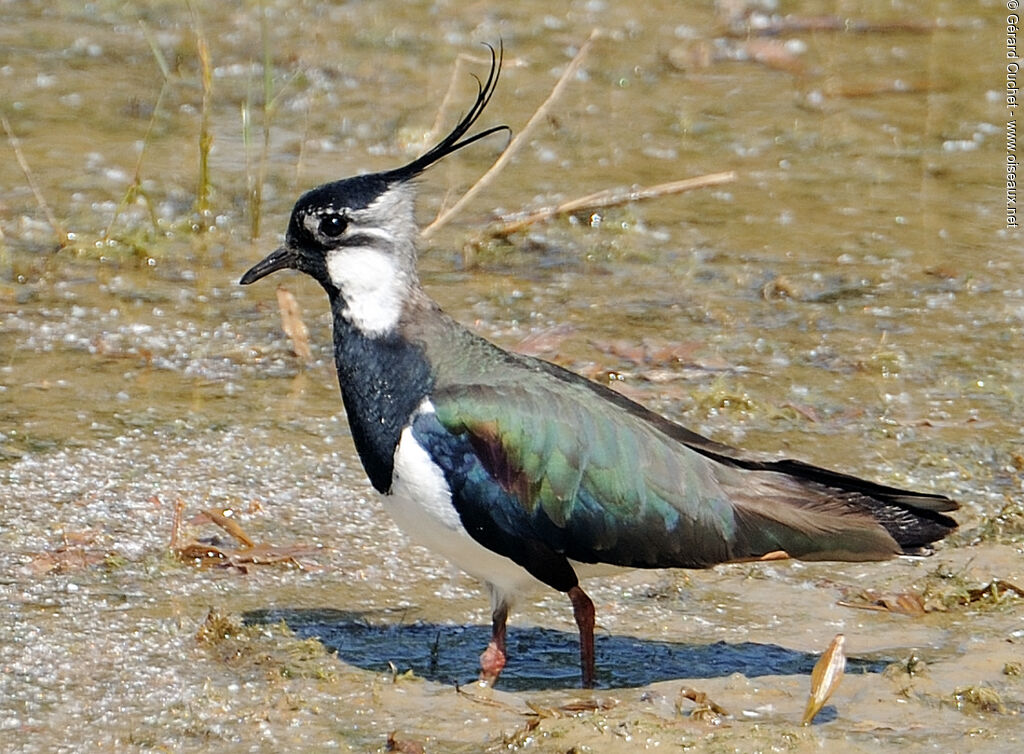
[(812, 513)]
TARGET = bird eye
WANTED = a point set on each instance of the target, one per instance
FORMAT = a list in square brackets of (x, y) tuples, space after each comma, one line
[(333, 226)]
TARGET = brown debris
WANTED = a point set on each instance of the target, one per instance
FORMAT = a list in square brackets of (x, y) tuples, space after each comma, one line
[(225, 522), (569, 709), (292, 324), (995, 590), (749, 35), (65, 559), (213, 553), (904, 603), (76, 552), (979, 699), (943, 271), (537, 715), (825, 677), (62, 237), (706, 709), (403, 745), (179, 509), (916, 605), (216, 627), (241, 559), (807, 412)]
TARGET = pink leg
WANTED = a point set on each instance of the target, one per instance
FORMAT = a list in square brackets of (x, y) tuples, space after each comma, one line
[(583, 612), (492, 661)]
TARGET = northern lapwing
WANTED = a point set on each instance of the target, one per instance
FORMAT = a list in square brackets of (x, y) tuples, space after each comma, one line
[(524, 474)]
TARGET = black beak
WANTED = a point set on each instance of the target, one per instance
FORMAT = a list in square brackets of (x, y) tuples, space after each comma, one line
[(279, 259)]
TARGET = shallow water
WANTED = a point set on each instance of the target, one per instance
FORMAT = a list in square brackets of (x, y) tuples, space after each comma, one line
[(853, 298)]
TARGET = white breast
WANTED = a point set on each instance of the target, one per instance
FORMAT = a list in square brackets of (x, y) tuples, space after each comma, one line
[(421, 504)]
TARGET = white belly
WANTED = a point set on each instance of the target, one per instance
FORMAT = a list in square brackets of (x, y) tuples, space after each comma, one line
[(421, 504)]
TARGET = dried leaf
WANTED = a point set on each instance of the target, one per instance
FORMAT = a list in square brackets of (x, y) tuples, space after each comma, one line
[(404, 745), (905, 603), (570, 709), (825, 677), (292, 324), (228, 524), (542, 713), (205, 554), (916, 605), (261, 554), (706, 709), (209, 555), (214, 554), (64, 559)]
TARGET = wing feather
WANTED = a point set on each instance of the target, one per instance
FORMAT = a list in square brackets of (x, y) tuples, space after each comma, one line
[(566, 467)]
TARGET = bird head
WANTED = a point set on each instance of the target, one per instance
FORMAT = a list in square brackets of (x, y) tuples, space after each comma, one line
[(357, 236)]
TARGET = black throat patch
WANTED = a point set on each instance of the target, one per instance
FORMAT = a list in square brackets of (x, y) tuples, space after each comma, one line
[(383, 380)]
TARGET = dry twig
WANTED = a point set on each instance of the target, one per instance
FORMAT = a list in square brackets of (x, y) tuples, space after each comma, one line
[(58, 228), (606, 198), (211, 553), (230, 525), (513, 147)]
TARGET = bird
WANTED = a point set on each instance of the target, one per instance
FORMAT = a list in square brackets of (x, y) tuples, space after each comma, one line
[(524, 474)]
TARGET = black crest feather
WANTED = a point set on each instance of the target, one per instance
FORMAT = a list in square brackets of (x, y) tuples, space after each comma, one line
[(451, 142)]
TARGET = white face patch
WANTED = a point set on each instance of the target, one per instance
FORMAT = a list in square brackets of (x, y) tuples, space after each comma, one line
[(372, 285)]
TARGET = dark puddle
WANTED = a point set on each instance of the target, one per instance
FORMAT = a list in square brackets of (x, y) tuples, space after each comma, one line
[(539, 658)]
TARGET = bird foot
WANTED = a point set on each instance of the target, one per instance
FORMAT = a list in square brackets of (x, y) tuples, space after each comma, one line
[(492, 662)]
